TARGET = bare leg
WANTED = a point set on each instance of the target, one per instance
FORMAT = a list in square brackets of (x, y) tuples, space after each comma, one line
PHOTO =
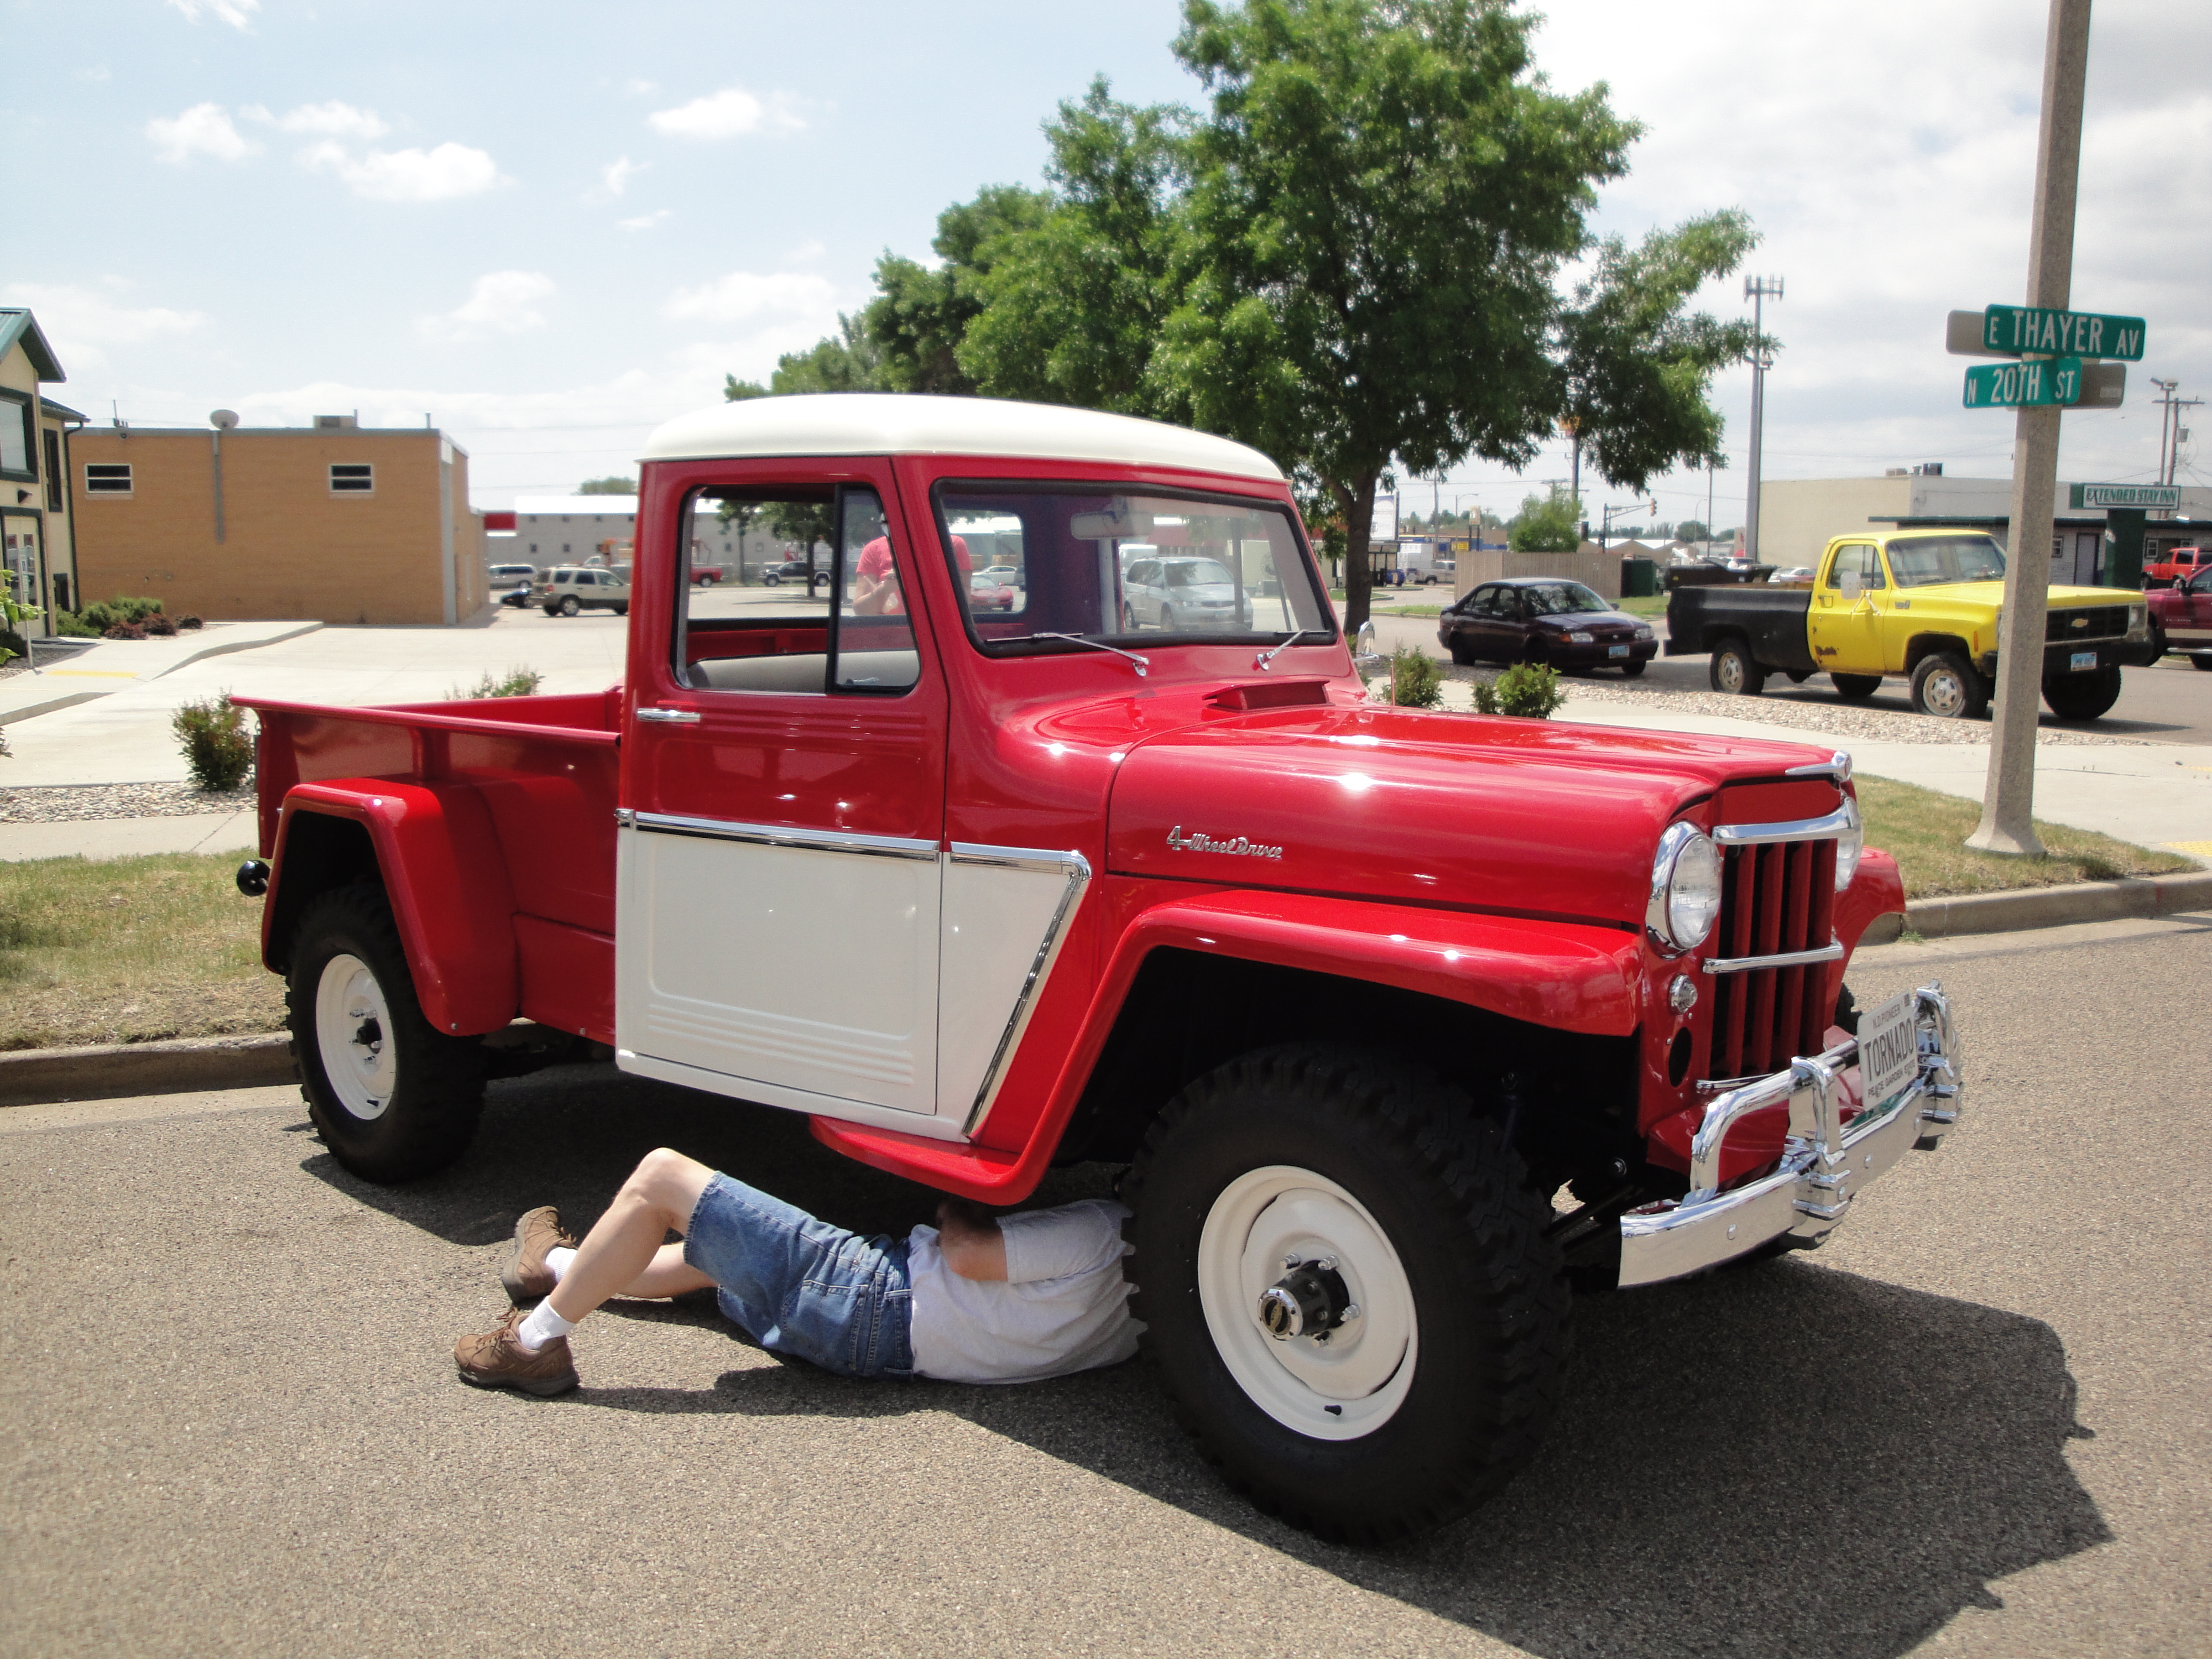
[(622, 1251), (669, 1275)]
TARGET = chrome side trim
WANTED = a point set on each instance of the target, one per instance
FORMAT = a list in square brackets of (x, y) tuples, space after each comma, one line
[(1823, 1163), (1760, 834), (624, 818), (1837, 766), (1827, 952), (1077, 870), (770, 835)]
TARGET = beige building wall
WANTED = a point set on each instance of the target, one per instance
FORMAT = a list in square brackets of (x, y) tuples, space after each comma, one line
[(280, 543), (1798, 517), (43, 515)]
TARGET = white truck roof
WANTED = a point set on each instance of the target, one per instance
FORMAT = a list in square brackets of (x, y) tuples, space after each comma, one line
[(882, 423)]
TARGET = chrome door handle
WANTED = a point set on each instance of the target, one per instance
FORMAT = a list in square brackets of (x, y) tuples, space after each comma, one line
[(671, 716)]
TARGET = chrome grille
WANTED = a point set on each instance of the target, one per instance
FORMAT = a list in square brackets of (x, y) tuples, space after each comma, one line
[(1775, 898)]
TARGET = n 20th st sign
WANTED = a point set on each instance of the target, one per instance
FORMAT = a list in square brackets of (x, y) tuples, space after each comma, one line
[(2067, 382)]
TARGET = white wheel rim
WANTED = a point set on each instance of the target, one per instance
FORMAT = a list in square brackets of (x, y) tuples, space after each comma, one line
[(1731, 674), (1942, 694), (353, 1035), (1354, 1381)]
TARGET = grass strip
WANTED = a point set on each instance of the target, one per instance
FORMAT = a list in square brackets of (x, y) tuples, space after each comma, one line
[(1926, 831), (130, 950)]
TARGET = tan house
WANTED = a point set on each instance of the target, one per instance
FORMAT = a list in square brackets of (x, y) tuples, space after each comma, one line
[(336, 522), (38, 551)]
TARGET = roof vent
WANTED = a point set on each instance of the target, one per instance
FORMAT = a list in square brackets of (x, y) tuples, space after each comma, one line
[(1896, 473), (336, 423), (1929, 469)]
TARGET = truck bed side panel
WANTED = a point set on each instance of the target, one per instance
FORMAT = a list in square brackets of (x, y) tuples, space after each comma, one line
[(568, 978), (1772, 618)]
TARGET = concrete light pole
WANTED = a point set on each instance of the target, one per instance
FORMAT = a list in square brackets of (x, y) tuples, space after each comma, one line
[(1757, 290), (2008, 796)]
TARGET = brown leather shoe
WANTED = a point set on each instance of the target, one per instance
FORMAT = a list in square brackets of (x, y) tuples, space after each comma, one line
[(498, 1360), (525, 1275)]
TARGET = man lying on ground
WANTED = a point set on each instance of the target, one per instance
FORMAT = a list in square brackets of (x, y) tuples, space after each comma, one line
[(973, 1299)]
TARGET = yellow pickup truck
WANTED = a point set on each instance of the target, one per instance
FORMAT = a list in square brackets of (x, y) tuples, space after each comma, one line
[(1923, 604)]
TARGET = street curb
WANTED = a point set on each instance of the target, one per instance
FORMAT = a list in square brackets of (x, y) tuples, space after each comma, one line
[(2045, 906), (109, 1070)]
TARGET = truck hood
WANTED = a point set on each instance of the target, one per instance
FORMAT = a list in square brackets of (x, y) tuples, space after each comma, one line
[(1520, 817), (1993, 594)]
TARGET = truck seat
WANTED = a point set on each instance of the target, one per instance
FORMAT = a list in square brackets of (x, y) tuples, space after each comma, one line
[(805, 671)]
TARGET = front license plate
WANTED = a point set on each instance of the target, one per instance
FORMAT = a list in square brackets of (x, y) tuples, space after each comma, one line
[(2084, 659), (1617, 651), (1889, 1049)]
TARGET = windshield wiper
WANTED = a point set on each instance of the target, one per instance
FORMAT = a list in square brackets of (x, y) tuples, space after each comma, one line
[(1266, 657), (1143, 663)]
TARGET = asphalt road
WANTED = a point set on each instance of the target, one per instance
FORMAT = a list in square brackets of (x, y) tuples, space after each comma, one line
[(2169, 703), (1976, 1423)]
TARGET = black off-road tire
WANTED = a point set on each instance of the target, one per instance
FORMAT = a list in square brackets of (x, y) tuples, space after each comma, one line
[(1734, 672), (1487, 1288), (2202, 663), (2082, 696), (1946, 687), (438, 1088), (1856, 688), (1634, 668), (1459, 652)]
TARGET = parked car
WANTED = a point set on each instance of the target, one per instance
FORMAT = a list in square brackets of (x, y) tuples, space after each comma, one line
[(1006, 576), (1712, 572), (568, 590), (707, 575), (1919, 602), (1187, 595), (1798, 575), (984, 594), (504, 576), (2181, 619), (1545, 619), (794, 570), (983, 903), (2179, 564)]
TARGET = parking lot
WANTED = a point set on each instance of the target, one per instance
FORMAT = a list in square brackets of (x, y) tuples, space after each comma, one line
[(1974, 1424)]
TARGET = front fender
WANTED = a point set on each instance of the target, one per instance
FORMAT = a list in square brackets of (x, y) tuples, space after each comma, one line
[(444, 870)]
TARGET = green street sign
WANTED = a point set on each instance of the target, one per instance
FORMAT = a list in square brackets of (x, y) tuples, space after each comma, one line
[(2024, 386), (2013, 331), (2150, 495)]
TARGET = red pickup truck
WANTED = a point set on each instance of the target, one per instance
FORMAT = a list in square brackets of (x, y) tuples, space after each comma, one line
[(981, 890), (2181, 619)]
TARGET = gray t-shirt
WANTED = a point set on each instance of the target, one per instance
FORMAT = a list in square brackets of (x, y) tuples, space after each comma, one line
[(1063, 1307)]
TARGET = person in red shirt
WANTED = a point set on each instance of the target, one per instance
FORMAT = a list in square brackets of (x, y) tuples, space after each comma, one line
[(876, 581)]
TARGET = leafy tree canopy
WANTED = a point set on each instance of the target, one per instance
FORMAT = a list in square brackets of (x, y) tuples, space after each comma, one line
[(1692, 530), (1548, 524), (610, 486)]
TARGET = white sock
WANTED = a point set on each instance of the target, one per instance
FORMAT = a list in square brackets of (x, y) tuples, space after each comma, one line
[(557, 1260), (541, 1328)]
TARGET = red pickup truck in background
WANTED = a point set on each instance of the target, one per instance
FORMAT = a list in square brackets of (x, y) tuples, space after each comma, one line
[(983, 890), (2181, 619), (2179, 565)]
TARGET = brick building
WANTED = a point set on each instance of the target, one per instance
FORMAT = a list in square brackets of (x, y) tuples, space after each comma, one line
[(336, 522)]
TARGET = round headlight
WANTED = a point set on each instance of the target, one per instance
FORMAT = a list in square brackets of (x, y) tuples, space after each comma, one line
[(1686, 890), (1849, 845)]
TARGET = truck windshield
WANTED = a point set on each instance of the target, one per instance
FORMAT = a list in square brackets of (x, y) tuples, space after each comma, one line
[(1099, 562), (1925, 560)]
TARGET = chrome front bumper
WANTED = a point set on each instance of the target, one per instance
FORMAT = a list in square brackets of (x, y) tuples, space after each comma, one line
[(1824, 1162)]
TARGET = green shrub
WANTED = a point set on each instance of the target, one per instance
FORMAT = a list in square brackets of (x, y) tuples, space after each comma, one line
[(218, 748), (1527, 689), (134, 610), (71, 625), (516, 683), (1416, 680), (99, 618)]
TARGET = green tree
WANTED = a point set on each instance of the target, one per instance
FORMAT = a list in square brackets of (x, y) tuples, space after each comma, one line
[(1380, 202), (1692, 530), (848, 360), (1075, 302), (922, 313), (1548, 524), (609, 486), (1635, 368)]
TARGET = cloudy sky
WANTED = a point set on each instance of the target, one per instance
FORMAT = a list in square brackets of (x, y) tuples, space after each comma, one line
[(550, 225)]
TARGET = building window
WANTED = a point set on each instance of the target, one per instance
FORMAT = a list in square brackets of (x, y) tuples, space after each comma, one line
[(15, 436), (53, 447), (533, 547), (107, 477), (352, 478)]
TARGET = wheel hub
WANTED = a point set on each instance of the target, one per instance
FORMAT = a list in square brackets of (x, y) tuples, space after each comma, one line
[(351, 1018), (1309, 1300)]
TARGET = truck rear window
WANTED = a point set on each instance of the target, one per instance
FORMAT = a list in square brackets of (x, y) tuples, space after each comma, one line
[(1095, 561)]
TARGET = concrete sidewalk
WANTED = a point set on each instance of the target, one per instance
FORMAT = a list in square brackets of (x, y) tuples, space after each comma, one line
[(114, 666), (115, 838)]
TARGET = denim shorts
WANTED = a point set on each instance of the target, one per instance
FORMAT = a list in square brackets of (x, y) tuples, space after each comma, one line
[(800, 1286)]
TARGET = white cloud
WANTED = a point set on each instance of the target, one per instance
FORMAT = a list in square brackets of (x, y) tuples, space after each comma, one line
[(97, 73), (729, 113), (614, 179), (82, 323), (203, 129), (805, 254), (501, 302), (743, 294), (407, 175), (644, 221), (331, 120), (638, 88), (239, 13)]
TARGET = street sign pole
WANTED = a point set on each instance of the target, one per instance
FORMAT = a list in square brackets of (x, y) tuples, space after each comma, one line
[(2008, 795)]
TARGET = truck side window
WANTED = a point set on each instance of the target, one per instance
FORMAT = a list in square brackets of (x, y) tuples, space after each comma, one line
[(774, 624), (1861, 557)]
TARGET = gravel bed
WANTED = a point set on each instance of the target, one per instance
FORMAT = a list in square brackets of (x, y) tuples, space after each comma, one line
[(13, 666), (69, 803), (1805, 713)]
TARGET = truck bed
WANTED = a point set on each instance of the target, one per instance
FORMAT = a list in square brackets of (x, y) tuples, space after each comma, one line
[(1772, 619)]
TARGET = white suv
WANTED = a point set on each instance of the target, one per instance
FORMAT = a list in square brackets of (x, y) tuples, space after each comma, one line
[(571, 589)]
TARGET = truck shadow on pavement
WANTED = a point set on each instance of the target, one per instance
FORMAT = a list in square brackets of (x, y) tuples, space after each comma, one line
[(1780, 1459)]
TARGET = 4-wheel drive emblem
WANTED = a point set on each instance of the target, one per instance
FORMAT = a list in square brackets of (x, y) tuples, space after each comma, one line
[(1199, 841)]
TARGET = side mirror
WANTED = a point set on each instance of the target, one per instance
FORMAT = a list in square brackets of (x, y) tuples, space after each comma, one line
[(1365, 657), (1850, 586)]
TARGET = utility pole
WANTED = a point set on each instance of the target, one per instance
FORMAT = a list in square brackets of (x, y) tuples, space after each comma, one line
[(2008, 796), (2180, 433), (1709, 506), (1757, 290), (2166, 389)]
